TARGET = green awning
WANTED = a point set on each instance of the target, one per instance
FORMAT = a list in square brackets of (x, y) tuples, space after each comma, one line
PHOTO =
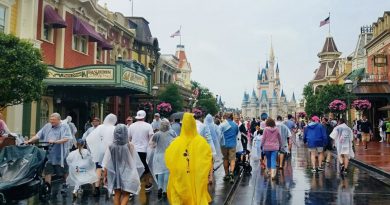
[(355, 74)]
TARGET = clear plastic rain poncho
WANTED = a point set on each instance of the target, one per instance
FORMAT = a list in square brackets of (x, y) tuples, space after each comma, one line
[(81, 168), (101, 137), (124, 167), (215, 135), (188, 159), (156, 150), (73, 131), (256, 145), (343, 137), (204, 131)]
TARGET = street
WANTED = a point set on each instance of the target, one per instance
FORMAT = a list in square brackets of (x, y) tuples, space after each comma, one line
[(298, 185)]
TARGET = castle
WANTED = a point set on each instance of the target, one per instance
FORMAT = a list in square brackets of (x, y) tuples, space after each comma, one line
[(268, 99)]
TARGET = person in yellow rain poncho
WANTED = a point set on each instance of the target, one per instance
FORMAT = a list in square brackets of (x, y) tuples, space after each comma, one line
[(188, 159)]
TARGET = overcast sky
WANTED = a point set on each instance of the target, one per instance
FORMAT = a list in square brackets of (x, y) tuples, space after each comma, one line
[(227, 41)]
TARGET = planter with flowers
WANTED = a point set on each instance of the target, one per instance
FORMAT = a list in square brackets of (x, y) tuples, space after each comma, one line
[(302, 114), (361, 106), (197, 112), (164, 109)]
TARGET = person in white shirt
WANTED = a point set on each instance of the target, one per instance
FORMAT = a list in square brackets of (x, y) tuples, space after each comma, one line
[(140, 133)]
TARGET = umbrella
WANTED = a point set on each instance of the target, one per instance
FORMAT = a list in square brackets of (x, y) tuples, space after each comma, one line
[(387, 107), (177, 115)]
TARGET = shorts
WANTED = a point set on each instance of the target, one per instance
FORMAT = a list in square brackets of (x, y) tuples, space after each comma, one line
[(366, 137), (57, 170), (142, 156), (97, 165), (228, 153), (316, 149)]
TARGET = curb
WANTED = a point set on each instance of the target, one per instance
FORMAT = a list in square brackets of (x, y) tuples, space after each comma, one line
[(234, 188), (371, 168)]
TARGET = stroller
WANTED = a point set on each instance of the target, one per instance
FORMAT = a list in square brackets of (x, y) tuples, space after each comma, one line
[(21, 172), (243, 162)]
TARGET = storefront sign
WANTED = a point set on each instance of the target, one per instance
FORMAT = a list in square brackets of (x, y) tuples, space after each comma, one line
[(92, 74), (134, 78)]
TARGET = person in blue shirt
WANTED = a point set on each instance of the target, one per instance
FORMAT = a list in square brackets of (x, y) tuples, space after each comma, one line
[(229, 130), (316, 138)]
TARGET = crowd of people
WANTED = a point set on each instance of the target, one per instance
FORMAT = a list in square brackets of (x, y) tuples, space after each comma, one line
[(181, 154)]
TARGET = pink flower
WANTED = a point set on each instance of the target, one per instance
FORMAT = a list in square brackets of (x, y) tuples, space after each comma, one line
[(337, 106)]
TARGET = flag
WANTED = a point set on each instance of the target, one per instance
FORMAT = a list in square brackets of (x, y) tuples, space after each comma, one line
[(177, 33), (325, 21)]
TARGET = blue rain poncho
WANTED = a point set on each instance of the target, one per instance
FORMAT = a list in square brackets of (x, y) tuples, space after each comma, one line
[(215, 133), (101, 137), (123, 165)]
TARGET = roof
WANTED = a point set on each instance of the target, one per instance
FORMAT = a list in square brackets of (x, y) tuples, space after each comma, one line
[(142, 29), (246, 97), (372, 88), (355, 74), (329, 46), (263, 73), (293, 97), (264, 96), (266, 64), (277, 67), (282, 94), (321, 73)]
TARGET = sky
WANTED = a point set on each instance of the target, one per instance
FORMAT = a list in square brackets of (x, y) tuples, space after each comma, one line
[(227, 41)]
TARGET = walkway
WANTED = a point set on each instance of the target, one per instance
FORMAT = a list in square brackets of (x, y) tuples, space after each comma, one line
[(377, 155), (297, 185)]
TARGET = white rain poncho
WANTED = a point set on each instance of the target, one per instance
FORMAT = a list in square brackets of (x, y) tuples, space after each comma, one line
[(256, 146), (284, 134), (156, 150), (123, 165), (215, 135), (205, 132), (101, 137), (343, 137), (81, 168), (73, 131)]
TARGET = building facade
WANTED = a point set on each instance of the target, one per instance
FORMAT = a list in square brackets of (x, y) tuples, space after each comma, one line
[(269, 99)]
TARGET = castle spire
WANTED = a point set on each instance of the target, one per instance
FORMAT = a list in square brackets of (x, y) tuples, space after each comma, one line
[(271, 55)]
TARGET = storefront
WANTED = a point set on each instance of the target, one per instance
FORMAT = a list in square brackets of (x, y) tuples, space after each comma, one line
[(94, 91)]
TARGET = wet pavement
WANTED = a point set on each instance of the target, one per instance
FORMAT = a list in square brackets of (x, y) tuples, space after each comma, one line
[(218, 191), (377, 155), (297, 185)]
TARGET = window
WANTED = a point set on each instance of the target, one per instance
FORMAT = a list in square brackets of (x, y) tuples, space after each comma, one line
[(80, 43), (44, 118), (2, 19), (48, 33), (99, 53)]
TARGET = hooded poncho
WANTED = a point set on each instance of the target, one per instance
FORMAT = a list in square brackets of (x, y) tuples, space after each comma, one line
[(343, 137), (215, 135), (81, 168), (101, 137), (188, 160), (123, 165)]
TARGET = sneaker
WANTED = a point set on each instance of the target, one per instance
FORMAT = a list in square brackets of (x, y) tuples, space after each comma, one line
[(164, 195), (320, 169), (97, 192), (231, 180), (314, 170), (226, 177), (148, 187), (342, 168), (365, 148), (131, 196), (159, 193)]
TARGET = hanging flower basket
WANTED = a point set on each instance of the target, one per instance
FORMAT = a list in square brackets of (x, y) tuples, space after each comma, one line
[(338, 106), (361, 105), (164, 109)]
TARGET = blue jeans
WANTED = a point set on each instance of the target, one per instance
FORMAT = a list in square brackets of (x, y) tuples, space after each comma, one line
[(271, 159), (162, 181)]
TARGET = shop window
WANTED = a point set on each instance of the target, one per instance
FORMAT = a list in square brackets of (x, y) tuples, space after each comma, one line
[(44, 117), (80, 43), (99, 53), (2, 19), (48, 33)]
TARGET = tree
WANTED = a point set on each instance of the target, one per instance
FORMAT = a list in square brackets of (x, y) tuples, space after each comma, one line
[(206, 99), (310, 99), (171, 95), (22, 71)]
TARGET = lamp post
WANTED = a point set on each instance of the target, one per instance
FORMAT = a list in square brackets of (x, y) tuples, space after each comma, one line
[(349, 86), (190, 103), (154, 94)]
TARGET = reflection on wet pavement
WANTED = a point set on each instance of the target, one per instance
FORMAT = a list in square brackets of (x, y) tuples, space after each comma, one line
[(297, 185)]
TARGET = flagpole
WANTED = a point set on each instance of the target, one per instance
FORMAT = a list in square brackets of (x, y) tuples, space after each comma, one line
[(180, 34), (329, 24), (132, 8)]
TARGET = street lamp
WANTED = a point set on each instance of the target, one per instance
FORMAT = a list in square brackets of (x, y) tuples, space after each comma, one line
[(154, 94), (349, 86), (190, 103)]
